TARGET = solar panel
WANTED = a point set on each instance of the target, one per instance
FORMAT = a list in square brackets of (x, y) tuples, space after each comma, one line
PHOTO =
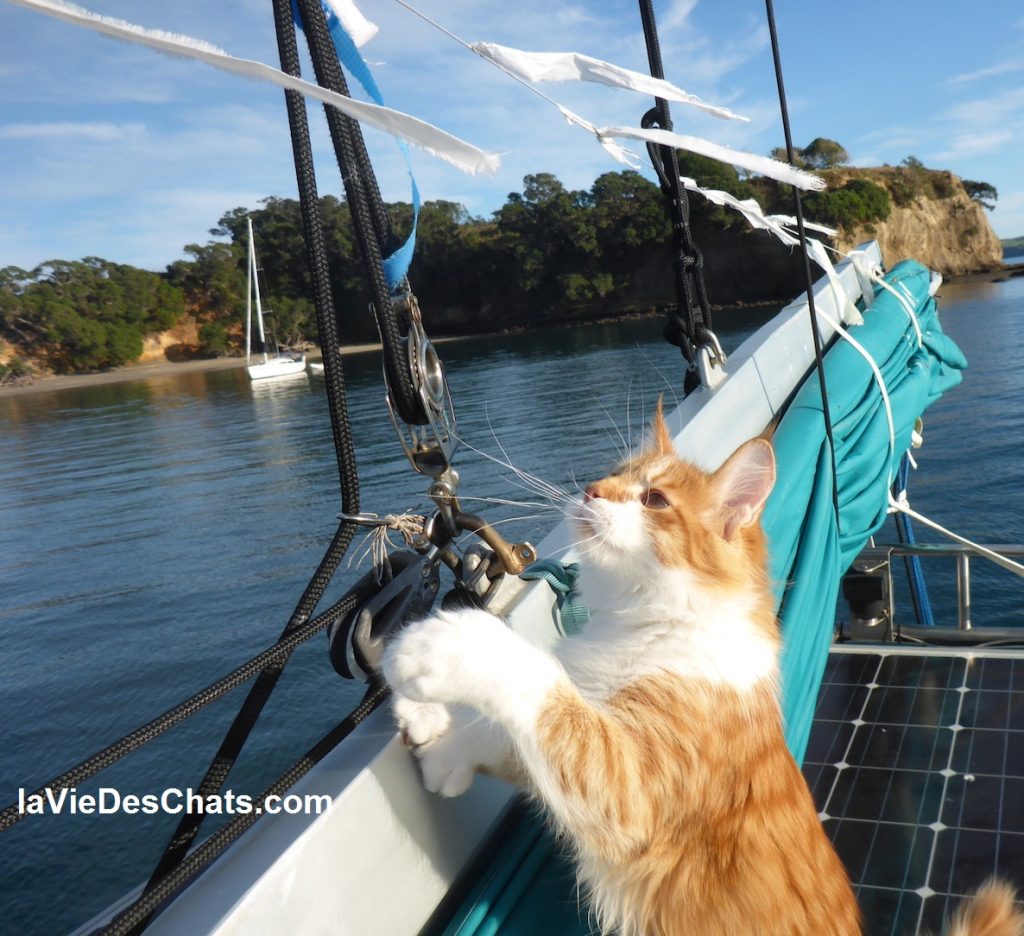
[(916, 763)]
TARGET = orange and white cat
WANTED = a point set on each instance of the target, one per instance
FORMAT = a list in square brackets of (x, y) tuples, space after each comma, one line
[(654, 738)]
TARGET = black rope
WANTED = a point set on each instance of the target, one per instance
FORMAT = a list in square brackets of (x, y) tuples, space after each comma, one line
[(245, 720), (369, 218), (153, 729), (136, 915), (690, 321), (808, 282)]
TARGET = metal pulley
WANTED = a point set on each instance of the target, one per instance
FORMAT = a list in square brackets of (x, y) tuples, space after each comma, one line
[(429, 442)]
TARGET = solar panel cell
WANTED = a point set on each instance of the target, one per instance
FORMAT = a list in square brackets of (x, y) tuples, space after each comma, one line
[(916, 762)]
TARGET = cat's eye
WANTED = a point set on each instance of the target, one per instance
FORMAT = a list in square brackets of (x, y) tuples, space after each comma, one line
[(654, 499)]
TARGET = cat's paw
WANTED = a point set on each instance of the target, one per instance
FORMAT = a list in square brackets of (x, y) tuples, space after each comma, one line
[(446, 769), (446, 658), (420, 723)]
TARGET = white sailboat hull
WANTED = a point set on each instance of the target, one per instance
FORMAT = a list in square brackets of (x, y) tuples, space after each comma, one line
[(281, 366)]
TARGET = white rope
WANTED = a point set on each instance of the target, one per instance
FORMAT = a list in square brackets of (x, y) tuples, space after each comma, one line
[(849, 312), (902, 506), (879, 379), (861, 261)]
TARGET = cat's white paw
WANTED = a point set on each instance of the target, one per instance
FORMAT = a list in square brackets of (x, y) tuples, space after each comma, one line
[(446, 769), (420, 722), (446, 658)]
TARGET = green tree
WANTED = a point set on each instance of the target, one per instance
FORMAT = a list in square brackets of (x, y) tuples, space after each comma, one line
[(859, 201), (983, 193), (85, 314), (822, 153)]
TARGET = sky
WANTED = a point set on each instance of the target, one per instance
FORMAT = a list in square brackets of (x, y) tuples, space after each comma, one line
[(116, 151)]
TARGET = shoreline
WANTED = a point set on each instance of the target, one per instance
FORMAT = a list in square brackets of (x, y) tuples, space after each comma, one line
[(144, 370), (154, 369)]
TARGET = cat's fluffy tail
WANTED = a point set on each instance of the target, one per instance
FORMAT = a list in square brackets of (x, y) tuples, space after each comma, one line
[(990, 912)]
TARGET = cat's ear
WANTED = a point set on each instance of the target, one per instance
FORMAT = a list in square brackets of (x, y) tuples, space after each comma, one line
[(661, 440), (743, 484)]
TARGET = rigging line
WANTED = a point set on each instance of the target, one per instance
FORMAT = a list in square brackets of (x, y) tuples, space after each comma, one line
[(241, 727), (162, 723), (135, 916), (365, 201), (468, 46), (656, 137), (689, 326), (802, 233)]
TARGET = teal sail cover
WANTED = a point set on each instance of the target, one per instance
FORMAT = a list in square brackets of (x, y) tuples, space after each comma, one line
[(529, 888)]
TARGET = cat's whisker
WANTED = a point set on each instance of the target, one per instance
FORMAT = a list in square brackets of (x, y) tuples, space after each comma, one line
[(572, 474), (660, 372), (629, 430), (624, 451), (495, 523), (554, 489), (510, 503), (535, 484), (533, 489)]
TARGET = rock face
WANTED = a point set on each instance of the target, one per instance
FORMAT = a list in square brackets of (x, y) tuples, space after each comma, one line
[(951, 234), (175, 344)]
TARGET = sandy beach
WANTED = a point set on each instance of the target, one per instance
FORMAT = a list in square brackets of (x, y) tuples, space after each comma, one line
[(145, 371)]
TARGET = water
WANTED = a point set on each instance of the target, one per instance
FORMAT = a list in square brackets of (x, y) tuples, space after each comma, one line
[(154, 535)]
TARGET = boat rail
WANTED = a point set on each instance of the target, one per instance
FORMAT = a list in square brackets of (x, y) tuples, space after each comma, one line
[(868, 589)]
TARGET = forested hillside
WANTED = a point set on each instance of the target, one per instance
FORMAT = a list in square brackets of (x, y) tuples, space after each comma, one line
[(548, 254)]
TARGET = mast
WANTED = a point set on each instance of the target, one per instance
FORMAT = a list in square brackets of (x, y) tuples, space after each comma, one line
[(248, 298), (255, 280)]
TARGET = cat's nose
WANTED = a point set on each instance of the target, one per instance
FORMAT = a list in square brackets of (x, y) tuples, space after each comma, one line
[(591, 493)]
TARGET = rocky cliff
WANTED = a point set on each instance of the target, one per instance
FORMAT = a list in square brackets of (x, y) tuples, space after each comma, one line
[(941, 225), (932, 220)]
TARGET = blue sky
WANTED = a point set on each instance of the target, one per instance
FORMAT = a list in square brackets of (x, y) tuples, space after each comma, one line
[(115, 151)]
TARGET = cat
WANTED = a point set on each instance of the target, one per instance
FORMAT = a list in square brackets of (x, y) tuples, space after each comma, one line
[(654, 739)]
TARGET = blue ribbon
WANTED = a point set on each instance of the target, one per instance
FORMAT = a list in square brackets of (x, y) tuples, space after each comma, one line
[(397, 264)]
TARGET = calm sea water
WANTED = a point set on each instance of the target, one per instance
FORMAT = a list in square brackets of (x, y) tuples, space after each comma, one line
[(153, 535)]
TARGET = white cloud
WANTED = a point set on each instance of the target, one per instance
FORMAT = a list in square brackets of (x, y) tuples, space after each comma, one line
[(65, 130), (1003, 68), (677, 14), (994, 109), (973, 144)]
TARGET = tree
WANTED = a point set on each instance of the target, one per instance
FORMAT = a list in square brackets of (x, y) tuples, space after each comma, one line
[(822, 153), (85, 314), (781, 155), (983, 193), (859, 201)]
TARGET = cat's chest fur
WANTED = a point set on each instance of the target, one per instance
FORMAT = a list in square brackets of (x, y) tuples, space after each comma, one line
[(721, 643)]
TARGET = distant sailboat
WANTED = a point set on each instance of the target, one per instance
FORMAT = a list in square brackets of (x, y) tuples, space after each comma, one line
[(272, 365)]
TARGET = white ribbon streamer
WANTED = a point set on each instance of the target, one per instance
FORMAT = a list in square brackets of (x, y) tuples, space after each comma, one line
[(435, 141), (760, 164), (353, 22), (574, 66)]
